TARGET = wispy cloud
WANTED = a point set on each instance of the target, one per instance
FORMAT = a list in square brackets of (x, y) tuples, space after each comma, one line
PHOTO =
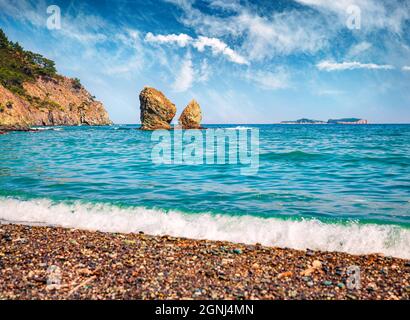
[(185, 77), (181, 39), (269, 80), (83, 27), (359, 49), (204, 71), (187, 73), (217, 46), (406, 68), (27, 11), (329, 92), (261, 37), (293, 31), (335, 66), (283, 33), (388, 15)]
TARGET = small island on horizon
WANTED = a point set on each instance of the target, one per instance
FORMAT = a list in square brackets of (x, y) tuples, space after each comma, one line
[(330, 121)]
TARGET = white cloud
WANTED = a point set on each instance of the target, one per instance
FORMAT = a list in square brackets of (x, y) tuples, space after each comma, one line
[(185, 78), (181, 39), (406, 68), (217, 46), (335, 66)]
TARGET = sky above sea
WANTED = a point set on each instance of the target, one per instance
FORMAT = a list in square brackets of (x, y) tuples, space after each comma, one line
[(243, 61)]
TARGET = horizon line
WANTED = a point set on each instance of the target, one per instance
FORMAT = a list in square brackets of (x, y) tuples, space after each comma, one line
[(276, 123)]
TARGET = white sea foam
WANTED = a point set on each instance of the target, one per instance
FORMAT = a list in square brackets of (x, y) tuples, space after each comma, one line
[(46, 129), (239, 128), (353, 238)]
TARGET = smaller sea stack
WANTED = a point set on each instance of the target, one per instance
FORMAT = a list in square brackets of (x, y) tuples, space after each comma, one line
[(191, 117)]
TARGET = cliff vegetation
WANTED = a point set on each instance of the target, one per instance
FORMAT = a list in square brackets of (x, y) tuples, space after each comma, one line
[(32, 93)]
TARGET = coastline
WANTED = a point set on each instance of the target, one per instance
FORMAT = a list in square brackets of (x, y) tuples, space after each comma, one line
[(354, 238), (101, 265)]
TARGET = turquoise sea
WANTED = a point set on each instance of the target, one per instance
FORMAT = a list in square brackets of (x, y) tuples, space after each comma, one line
[(327, 187)]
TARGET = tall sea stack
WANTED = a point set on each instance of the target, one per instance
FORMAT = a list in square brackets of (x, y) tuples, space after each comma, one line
[(157, 111)]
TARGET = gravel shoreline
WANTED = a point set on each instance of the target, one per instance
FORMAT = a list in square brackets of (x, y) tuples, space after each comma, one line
[(97, 265)]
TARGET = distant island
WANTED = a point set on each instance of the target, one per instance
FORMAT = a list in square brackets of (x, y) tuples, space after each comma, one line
[(347, 121), (330, 121), (304, 121)]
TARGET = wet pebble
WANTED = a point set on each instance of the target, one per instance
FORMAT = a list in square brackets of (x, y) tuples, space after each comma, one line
[(137, 266), (309, 252), (237, 251)]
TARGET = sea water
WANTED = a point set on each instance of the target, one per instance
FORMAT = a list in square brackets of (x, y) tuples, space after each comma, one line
[(323, 187)]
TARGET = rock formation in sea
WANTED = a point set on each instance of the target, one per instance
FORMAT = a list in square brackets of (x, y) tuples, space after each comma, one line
[(157, 111), (191, 117), (33, 94)]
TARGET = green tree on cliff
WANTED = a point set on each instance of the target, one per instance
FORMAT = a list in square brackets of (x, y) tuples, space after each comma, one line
[(18, 66), (4, 42)]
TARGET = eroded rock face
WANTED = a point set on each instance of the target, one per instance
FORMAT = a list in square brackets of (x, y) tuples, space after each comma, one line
[(191, 117), (50, 102), (157, 111)]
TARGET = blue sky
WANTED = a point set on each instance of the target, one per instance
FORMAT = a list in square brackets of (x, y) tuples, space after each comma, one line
[(243, 62)]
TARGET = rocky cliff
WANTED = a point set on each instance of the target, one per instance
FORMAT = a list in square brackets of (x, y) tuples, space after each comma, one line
[(191, 117), (50, 102), (33, 94), (157, 111)]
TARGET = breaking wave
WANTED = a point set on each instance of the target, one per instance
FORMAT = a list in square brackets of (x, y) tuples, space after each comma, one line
[(353, 237)]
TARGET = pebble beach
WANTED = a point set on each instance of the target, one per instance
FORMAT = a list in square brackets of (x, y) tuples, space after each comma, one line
[(97, 265)]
